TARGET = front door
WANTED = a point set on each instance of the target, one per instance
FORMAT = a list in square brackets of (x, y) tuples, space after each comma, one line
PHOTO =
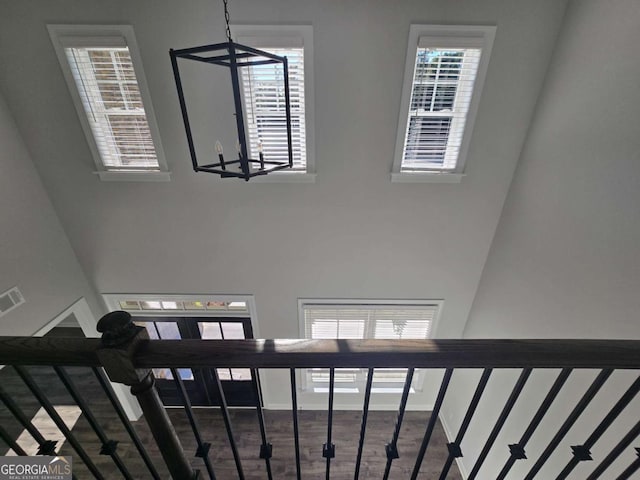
[(238, 384)]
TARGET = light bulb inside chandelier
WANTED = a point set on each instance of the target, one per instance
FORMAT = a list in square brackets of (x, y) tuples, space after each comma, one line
[(237, 58)]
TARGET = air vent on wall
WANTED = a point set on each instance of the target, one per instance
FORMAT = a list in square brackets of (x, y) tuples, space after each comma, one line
[(9, 300)]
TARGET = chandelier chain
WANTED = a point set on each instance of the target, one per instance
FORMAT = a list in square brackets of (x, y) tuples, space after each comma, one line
[(226, 19)]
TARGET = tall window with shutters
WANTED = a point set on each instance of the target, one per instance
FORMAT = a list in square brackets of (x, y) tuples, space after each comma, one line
[(108, 87), (263, 94), (353, 320), (445, 70), (111, 97)]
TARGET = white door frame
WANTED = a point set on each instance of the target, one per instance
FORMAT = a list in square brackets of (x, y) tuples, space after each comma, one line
[(87, 322)]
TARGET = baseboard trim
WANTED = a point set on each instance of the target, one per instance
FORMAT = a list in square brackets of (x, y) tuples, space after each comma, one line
[(323, 406)]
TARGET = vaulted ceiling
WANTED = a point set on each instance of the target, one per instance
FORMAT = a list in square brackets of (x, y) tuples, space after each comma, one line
[(352, 233), (553, 253)]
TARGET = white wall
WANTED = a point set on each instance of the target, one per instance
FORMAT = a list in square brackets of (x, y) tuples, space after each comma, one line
[(352, 234), (565, 261), (35, 253)]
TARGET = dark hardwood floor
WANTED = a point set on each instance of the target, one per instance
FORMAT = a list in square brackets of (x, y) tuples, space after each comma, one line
[(313, 427)]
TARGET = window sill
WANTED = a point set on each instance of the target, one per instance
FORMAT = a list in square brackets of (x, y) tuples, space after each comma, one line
[(426, 177), (394, 390), (285, 177), (120, 176)]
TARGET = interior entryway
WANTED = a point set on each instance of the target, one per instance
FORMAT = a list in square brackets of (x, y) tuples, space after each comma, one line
[(238, 384)]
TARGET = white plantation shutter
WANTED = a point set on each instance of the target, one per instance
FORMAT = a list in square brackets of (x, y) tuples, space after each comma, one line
[(441, 92), (264, 100), (332, 322), (369, 321), (110, 94), (324, 321)]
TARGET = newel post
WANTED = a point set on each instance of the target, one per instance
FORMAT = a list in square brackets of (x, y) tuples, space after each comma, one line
[(120, 339)]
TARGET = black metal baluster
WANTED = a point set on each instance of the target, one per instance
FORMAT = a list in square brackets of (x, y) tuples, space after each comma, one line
[(454, 448), (432, 422), (227, 423), (108, 446), (11, 443), (329, 449), (51, 411), (108, 390), (631, 469), (615, 453), (203, 447), (46, 447), (571, 419), (294, 412), (363, 425), (581, 452), (517, 449), (511, 401), (266, 449), (391, 448)]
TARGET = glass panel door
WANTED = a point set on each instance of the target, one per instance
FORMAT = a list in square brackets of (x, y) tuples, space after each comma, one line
[(238, 384), (171, 328)]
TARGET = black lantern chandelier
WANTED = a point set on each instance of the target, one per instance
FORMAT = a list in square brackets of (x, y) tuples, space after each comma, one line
[(235, 57)]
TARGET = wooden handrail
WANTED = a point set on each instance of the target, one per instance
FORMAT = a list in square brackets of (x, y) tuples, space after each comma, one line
[(128, 355), (58, 351), (623, 354)]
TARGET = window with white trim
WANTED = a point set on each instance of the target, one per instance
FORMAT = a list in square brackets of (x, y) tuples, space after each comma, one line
[(353, 320), (446, 66), (102, 68), (263, 94)]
